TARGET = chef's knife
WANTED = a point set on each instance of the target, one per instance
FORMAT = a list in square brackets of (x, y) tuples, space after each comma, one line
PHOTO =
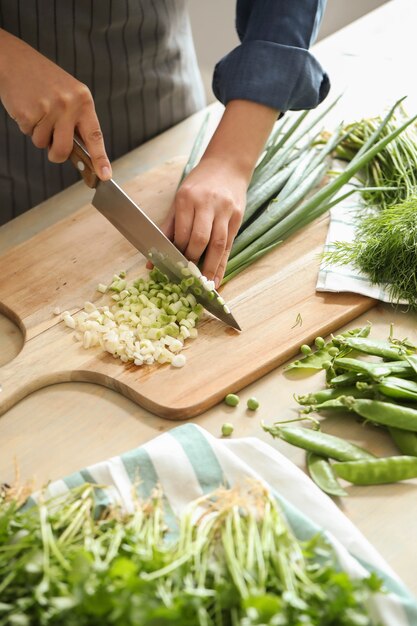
[(135, 225)]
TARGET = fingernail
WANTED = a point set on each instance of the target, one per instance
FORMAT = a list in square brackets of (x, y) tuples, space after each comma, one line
[(216, 281), (106, 172)]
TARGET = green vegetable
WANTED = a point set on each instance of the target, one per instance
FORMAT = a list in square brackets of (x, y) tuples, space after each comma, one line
[(232, 399), (378, 471), (384, 413), (384, 250), (252, 404), (229, 559), (405, 440), (325, 445), (323, 475), (279, 222), (227, 429)]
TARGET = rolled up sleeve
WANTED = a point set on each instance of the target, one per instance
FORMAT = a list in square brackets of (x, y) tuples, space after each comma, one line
[(273, 65)]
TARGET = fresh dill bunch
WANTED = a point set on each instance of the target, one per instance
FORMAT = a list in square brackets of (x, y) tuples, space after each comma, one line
[(385, 249)]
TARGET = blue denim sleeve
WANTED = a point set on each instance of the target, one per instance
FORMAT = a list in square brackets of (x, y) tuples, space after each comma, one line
[(272, 65)]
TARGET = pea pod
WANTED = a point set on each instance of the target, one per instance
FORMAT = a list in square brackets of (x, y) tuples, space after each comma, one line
[(385, 413), (346, 379), (376, 347), (405, 440), (376, 371), (324, 395), (318, 442), (323, 475), (333, 393), (399, 388), (377, 471)]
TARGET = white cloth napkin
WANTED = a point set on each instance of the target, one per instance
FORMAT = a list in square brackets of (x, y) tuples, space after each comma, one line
[(336, 278)]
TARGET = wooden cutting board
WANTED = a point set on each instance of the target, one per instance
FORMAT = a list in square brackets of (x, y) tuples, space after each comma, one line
[(61, 267)]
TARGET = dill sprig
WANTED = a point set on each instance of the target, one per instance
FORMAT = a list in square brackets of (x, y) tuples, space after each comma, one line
[(385, 249)]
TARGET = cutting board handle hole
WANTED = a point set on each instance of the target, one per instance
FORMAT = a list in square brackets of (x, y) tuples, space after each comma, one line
[(13, 334)]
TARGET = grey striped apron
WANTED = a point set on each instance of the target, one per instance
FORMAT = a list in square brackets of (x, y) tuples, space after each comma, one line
[(136, 56)]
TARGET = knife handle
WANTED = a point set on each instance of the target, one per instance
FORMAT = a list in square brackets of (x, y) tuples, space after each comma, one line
[(82, 162)]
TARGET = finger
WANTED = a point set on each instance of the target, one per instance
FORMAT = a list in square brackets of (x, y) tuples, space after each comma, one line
[(25, 122), (90, 131), (168, 224), (42, 134), (216, 247), (62, 142), (200, 235), (183, 220), (233, 228)]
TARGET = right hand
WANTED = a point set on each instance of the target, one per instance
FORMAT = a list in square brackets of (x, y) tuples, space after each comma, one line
[(49, 104)]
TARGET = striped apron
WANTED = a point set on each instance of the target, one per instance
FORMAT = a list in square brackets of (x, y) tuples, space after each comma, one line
[(136, 56)]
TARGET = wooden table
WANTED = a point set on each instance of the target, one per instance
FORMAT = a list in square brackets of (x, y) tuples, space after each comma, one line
[(64, 427)]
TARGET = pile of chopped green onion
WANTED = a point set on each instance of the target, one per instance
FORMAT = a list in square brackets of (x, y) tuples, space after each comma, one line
[(230, 559), (147, 321)]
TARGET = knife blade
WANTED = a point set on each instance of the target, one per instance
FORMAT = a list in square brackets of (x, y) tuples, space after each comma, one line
[(138, 228)]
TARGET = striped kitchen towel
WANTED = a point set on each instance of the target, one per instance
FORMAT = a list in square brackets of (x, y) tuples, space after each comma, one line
[(331, 277), (188, 462)]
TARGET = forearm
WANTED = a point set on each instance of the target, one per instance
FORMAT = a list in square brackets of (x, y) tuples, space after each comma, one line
[(241, 136)]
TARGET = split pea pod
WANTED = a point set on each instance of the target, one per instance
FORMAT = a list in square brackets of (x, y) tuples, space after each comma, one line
[(375, 371), (315, 441), (377, 471), (385, 413), (323, 475), (405, 440), (376, 347)]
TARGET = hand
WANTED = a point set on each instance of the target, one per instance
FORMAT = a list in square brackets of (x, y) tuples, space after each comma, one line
[(49, 104), (206, 214)]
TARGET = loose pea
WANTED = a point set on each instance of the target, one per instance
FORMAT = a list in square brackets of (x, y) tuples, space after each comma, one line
[(305, 349), (319, 341), (252, 404), (326, 365), (333, 351), (378, 471), (318, 442), (227, 429), (232, 399), (323, 475)]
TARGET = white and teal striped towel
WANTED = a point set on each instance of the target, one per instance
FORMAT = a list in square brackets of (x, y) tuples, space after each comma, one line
[(343, 218), (188, 462)]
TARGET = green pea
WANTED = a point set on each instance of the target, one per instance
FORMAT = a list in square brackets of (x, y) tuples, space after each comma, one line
[(333, 351), (252, 404), (326, 365), (232, 399), (378, 471), (227, 429), (305, 349), (318, 442), (320, 343), (323, 475)]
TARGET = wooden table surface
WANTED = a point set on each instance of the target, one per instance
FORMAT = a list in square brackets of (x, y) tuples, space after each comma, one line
[(64, 427)]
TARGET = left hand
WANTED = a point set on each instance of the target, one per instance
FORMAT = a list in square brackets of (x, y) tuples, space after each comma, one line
[(206, 214)]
